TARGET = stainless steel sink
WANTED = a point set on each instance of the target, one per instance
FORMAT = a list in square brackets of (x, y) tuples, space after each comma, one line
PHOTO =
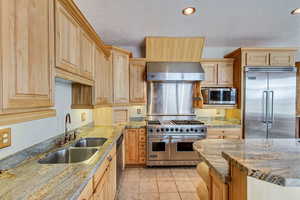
[(68, 155), (90, 142)]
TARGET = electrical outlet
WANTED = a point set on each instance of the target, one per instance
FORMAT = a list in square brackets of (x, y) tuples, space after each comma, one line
[(5, 138), (138, 111), (83, 116)]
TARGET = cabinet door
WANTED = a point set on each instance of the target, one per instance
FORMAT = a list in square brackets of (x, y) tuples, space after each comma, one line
[(103, 78), (225, 74), (67, 41), (27, 43), (86, 55), (120, 77), (282, 59), (112, 179), (211, 74), (137, 82), (101, 189), (218, 190), (131, 146), (257, 58)]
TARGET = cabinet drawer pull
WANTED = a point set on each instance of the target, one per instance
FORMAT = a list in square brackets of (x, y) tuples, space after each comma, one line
[(109, 158)]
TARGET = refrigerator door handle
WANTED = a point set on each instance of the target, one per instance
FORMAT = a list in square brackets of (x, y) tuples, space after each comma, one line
[(271, 120), (265, 106)]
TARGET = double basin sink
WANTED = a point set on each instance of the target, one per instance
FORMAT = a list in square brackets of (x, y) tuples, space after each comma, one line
[(80, 151)]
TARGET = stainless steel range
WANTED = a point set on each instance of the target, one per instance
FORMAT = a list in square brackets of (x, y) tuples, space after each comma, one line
[(171, 142), (172, 128)]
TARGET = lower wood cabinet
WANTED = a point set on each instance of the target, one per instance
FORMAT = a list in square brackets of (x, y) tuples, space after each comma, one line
[(218, 190), (224, 133), (103, 186), (135, 146)]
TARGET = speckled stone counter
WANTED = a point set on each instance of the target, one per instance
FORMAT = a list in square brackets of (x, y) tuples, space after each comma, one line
[(275, 160), (136, 124), (32, 180), (211, 153)]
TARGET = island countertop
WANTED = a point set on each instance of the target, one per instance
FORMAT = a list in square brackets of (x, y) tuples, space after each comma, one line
[(273, 160)]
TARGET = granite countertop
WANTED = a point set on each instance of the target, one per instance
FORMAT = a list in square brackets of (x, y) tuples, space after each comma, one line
[(136, 124), (221, 123), (32, 180), (274, 160)]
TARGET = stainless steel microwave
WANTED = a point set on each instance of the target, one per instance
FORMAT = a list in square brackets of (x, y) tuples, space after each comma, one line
[(219, 96)]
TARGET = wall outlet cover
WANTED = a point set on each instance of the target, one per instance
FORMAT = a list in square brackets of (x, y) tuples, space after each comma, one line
[(83, 116), (5, 138)]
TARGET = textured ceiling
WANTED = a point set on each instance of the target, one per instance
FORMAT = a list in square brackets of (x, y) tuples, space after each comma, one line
[(230, 23)]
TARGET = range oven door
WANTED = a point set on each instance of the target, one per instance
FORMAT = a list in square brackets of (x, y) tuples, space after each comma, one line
[(158, 148), (182, 148)]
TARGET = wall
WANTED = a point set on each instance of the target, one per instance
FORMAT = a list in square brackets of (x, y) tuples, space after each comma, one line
[(27, 134)]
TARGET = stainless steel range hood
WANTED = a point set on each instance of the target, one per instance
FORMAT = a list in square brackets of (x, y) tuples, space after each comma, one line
[(174, 71)]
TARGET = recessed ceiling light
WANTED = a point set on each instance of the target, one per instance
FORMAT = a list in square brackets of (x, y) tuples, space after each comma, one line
[(189, 11), (296, 11)]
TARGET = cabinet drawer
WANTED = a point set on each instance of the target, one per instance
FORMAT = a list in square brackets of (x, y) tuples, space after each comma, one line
[(142, 138), (142, 145), (232, 131), (258, 58), (142, 160), (215, 137), (232, 137), (142, 153)]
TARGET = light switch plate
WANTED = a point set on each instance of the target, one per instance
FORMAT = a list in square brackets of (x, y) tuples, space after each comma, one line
[(5, 138), (83, 116)]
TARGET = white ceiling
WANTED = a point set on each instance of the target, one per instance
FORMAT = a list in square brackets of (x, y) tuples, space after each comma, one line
[(227, 23)]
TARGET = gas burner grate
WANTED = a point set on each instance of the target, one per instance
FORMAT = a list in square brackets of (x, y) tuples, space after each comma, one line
[(154, 122), (187, 122)]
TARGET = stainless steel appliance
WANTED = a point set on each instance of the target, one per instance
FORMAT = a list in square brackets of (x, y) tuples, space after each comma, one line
[(171, 129), (219, 96), (270, 102), (119, 155), (171, 142)]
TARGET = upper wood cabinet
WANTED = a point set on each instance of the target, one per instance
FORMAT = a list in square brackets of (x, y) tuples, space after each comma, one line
[(87, 56), (68, 37), (103, 78), (174, 48), (120, 66), (27, 56), (137, 79), (75, 44), (211, 74), (269, 57), (218, 72)]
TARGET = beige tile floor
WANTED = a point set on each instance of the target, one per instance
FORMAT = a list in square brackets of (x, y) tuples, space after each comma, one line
[(158, 184)]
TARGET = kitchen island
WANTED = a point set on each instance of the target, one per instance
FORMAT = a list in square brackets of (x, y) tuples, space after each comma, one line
[(253, 169)]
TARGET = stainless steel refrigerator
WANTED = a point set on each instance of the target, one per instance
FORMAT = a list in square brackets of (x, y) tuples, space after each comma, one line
[(270, 102)]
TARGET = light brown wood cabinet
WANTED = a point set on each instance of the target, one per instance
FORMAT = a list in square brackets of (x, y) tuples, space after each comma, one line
[(135, 146), (174, 48), (218, 190), (137, 79), (103, 79), (68, 33), (218, 72), (75, 44), (120, 66), (27, 58), (270, 57), (224, 133), (103, 184), (86, 56)]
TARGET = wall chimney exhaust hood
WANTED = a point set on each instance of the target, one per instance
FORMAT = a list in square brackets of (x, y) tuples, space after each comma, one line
[(174, 71)]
